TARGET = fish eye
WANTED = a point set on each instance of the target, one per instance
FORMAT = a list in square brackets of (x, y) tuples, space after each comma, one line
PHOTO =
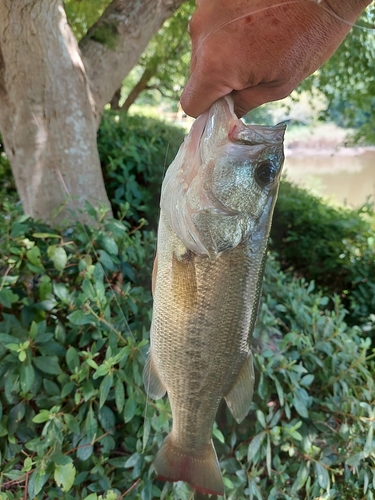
[(265, 173)]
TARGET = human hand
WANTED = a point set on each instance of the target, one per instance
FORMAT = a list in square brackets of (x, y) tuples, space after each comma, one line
[(260, 50)]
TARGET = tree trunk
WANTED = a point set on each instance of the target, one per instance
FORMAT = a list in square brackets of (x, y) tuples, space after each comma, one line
[(47, 112), (139, 87), (115, 101), (113, 46), (51, 99)]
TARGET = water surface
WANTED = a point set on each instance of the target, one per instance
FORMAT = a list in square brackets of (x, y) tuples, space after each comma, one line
[(343, 176)]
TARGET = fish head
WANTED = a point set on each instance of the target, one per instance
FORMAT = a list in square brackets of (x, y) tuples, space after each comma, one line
[(224, 181), (246, 173)]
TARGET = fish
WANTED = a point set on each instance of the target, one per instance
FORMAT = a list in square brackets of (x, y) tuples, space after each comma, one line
[(217, 201)]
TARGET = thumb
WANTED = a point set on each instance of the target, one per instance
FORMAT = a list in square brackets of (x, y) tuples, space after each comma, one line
[(199, 93)]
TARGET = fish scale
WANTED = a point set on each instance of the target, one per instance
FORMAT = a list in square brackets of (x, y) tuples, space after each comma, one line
[(216, 210)]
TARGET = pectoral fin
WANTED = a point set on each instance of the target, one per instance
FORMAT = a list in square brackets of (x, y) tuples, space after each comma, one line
[(241, 394), (151, 380)]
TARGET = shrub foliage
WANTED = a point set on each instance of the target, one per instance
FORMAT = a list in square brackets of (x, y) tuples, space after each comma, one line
[(135, 152), (75, 420), (335, 247), (75, 310)]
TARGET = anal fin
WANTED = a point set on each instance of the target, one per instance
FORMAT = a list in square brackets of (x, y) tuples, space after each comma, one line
[(151, 380), (241, 394)]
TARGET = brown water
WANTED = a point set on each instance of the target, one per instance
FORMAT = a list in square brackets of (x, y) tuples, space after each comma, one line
[(344, 176)]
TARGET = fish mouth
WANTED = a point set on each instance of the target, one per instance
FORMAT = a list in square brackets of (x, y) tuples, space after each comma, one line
[(256, 135)]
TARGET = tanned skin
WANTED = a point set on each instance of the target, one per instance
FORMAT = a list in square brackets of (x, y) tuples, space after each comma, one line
[(260, 50)]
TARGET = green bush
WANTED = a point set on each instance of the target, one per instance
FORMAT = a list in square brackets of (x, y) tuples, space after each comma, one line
[(135, 152), (75, 311), (75, 422), (7, 184), (335, 247)]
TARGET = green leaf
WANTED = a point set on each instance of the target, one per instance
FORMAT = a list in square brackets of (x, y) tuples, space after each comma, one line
[(104, 389), (22, 356), (105, 259), (228, 483), (322, 475), (146, 490), (133, 460), (119, 395), (91, 424), (107, 419), (27, 376), (268, 455), (261, 418), (72, 359), (118, 462), (300, 406), (67, 389), (8, 339), (47, 364), (64, 476), (43, 416), (72, 423), (218, 435), (59, 258), (109, 244), (88, 289), (255, 445), (98, 272), (61, 459), (302, 475), (51, 388), (13, 347), (7, 297), (85, 449), (61, 292), (295, 435), (130, 408), (307, 380), (280, 392), (36, 482), (369, 445), (33, 255), (80, 318), (46, 235)]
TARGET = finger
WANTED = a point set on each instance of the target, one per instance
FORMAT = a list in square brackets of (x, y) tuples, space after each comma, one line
[(250, 98), (200, 93)]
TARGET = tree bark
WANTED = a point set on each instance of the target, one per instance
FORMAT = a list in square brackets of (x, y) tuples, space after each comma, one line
[(51, 98), (115, 101), (47, 116), (115, 43)]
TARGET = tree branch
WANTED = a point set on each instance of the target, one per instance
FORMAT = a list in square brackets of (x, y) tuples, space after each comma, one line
[(115, 43), (148, 73)]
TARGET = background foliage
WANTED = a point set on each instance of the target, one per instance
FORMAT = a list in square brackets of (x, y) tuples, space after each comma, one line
[(348, 80), (134, 153), (336, 247), (74, 327)]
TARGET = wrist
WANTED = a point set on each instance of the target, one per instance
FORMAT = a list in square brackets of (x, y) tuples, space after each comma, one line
[(349, 11)]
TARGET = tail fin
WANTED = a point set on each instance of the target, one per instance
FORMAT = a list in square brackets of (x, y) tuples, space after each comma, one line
[(201, 471)]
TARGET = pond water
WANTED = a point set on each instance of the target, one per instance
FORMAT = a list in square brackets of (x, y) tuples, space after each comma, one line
[(342, 176)]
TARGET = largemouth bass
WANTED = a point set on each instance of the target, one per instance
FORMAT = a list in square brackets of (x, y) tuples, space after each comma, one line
[(216, 209)]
